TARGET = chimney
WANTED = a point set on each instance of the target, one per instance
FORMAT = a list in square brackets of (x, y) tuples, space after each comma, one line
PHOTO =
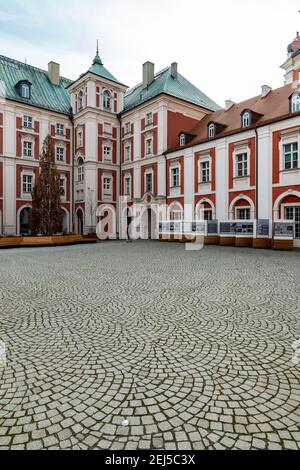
[(228, 104), (174, 70), (53, 73), (148, 73), (265, 90)]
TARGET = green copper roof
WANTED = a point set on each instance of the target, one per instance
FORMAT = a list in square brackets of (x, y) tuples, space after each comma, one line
[(164, 83), (43, 93)]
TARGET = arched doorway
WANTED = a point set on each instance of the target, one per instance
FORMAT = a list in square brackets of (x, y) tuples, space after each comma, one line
[(25, 221), (79, 214), (65, 221), (287, 207)]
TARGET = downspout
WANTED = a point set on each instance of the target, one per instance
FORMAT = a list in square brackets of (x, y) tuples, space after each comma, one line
[(73, 174), (257, 175), (120, 182)]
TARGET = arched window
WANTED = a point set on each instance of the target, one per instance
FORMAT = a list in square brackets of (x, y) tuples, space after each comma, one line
[(246, 119), (182, 140), (211, 130), (80, 98), (80, 170), (106, 100), (25, 90), (295, 103)]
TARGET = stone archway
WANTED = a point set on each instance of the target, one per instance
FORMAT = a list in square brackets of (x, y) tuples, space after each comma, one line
[(24, 221)]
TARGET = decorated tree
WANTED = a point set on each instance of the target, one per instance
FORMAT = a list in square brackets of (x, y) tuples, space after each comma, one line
[(46, 215)]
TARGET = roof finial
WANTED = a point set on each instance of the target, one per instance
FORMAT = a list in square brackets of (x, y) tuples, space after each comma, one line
[(97, 59)]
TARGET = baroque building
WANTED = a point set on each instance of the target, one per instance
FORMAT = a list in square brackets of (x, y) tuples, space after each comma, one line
[(161, 142)]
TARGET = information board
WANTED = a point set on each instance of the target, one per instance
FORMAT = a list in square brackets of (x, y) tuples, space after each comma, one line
[(284, 230), (212, 228), (244, 228), (228, 228), (263, 228)]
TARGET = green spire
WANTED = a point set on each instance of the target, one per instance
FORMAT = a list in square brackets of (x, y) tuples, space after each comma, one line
[(97, 59)]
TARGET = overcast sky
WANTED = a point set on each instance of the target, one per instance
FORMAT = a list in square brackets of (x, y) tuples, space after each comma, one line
[(227, 48)]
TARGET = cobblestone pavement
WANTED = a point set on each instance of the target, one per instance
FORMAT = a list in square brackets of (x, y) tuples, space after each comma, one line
[(193, 349)]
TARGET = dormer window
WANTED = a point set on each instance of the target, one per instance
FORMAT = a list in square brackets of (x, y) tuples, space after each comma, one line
[(211, 130), (295, 103), (106, 100), (182, 140), (25, 91), (246, 119)]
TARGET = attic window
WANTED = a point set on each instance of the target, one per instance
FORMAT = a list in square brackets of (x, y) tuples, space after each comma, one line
[(295, 103), (182, 140), (211, 130), (25, 90), (246, 119)]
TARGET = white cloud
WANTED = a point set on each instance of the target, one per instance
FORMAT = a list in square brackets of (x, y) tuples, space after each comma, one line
[(227, 48)]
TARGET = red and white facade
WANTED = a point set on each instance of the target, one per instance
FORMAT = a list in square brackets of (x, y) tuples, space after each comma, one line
[(105, 152)]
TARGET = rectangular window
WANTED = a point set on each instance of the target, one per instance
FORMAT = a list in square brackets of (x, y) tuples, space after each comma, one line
[(243, 214), (80, 174), (291, 156), (127, 128), (175, 177), (127, 153), (107, 186), (149, 119), (27, 184), (27, 122), (62, 187), (60, 129), (242, 165), (149, 183), (149, 147), (205, 172), (79, 139), (27, 149), (60, 154), (127, 187), (208, 214), (293, 213), (107, 153)]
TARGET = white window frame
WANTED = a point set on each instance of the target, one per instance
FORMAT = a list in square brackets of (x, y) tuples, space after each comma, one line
[(127, 153), (204, 161), (149, 148), (26, 152), (295, 103), (79, 138), (107, 100), (60, 129), (107, 154), (182, 140), (127, 128), (25, 91), (149, 118), (246, 119), (127, 186), (107, 185), (80, 100), (60, 156), (27, 122), (242, 208), (26, 191), (62, 186), (292, 152), (175, 178), (147, 174), (80, 172), (211, 130), (237, 154)]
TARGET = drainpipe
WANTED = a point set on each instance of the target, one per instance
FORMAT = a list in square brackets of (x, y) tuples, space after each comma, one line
[(73, 174), (257, 175), (120, 182)]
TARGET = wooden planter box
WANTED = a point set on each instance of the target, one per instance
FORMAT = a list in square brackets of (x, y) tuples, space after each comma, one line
[(7, 242), (262, 243), (212, 240), (284, 245), (244, 242), (227, 241)]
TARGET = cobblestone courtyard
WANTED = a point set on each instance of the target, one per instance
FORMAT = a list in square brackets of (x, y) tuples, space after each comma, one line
[(193, 349)]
